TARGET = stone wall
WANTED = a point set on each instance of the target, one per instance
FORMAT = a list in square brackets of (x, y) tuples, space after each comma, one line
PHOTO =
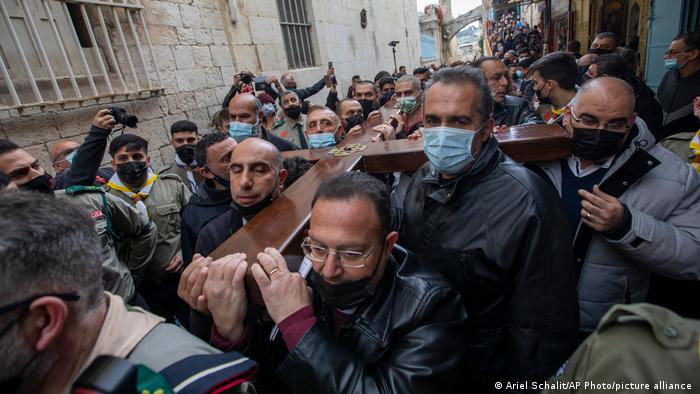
[(196, 70), (199, 49)]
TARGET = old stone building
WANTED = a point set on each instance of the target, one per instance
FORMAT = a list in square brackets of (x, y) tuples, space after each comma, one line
[(166, 60)]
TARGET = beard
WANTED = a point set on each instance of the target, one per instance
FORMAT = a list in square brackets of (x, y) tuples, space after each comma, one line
[(20, 365)]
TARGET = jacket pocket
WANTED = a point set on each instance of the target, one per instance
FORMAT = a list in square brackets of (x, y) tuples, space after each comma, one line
[(168, 219)]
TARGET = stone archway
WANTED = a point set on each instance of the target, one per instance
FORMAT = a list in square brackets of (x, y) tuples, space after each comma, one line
[(451, 28)]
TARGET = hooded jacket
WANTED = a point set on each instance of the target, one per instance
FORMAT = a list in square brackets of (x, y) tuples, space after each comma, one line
[(498, 233), (663, 236), (206, 204), (515, 111)]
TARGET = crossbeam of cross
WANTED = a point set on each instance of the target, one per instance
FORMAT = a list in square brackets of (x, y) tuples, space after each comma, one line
[(283, 224)]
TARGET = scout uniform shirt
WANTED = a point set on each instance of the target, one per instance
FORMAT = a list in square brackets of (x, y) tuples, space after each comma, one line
[(128, 239), (162, 205), (292, 131)]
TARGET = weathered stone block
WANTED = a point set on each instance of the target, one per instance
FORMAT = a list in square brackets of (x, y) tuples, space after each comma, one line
[(221, 55), (186, 101), (200, 117), (164, 57), (162, 13), (148, 109), (41, 153), (190, 80), (190, 16), (219, 37), (31, 130), (163, 35), (206, 98), (154, 132), (213, 78), (203, 36), (184, 58), (186, 36), (75, 121), (202, 57)]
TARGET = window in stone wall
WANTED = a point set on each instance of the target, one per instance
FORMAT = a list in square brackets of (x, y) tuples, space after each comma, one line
[(296, 31), (55, 52)]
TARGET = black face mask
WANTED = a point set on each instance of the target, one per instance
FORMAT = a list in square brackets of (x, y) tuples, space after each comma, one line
[(367, 107), (293, 112), (343, 296), (249, 212), (41, 184), (186, 153), (600, 51), (133, 172), (221, 180), (386, 97), (596, 145), (353, 121), (542, 100)]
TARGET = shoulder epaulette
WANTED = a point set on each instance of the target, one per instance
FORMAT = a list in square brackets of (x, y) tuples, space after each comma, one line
[(78, 189)]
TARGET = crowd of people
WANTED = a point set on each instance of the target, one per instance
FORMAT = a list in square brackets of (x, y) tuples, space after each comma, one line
[(471, 272)]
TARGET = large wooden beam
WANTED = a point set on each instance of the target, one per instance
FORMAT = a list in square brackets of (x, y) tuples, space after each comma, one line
[(282, 225)]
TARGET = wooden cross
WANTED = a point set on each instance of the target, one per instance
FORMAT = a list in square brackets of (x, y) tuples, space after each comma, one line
[(282, 225)]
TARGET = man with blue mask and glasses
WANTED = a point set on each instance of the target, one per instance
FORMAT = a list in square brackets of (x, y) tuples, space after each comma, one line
[(321, 127), (245, 115), (680, 84), (497, 232)]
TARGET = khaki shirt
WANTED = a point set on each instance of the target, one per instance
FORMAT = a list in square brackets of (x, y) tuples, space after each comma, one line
[(166, 200), (680, 145), (190, 180), (641, 344), (292, 131), (128, 240)]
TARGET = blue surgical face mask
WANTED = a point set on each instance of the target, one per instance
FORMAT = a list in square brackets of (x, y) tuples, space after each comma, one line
[(448, 149), (519, 74), (71, 156), (240, 131), (323, 140), (672, 64), (268, 109)]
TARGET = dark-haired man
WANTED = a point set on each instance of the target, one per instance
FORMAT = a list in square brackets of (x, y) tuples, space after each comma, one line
[(160, 198), (379, 319), (555, 84), (507, 253), (508, 110), (681, 84), (183, 137), (57, 319), (127, 240), (366, 95), (291, 127), (213, 196)]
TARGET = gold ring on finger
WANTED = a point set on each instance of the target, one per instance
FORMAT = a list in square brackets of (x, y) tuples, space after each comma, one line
[(274, 271)]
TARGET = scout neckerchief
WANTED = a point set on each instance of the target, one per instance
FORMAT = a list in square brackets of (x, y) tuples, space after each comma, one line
[(695, 147), (137, 198)]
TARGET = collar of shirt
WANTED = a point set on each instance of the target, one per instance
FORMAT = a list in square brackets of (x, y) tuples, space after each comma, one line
[(575, 166)]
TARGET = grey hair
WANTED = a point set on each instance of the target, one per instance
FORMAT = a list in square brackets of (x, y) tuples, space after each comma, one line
[(466, 75), (48, 245), (413, 79), (604, 84), (287, 93)]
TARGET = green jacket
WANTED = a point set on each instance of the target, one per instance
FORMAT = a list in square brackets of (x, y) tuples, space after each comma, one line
[(181, 173), (680, 145), (164, 204), (641, 344), (128, 240)]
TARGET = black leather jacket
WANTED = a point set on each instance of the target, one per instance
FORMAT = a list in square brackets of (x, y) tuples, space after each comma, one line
[(406, 339), (514, 111), (499, 234)]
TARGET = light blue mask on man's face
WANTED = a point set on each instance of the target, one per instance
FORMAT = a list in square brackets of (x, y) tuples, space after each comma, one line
[(240, 131), (448, 149), (322, 140)]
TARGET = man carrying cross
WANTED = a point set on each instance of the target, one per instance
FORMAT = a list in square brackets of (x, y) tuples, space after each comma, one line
[(497, 232)]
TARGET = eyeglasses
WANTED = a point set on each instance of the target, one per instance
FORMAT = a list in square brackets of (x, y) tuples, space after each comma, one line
[(27, 301), (593, 123), (348, 258)]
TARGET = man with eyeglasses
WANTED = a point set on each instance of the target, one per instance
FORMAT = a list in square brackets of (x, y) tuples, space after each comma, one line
[(681, 84), (56, 318), (378, 319), (633, 207)]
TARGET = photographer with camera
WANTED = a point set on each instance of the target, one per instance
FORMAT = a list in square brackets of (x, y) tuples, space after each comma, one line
[(80, 164)]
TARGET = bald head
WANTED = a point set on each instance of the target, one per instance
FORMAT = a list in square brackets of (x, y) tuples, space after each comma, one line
[(245, 108), (256, 172), (607, 91), (58, 154), (288, 80)]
